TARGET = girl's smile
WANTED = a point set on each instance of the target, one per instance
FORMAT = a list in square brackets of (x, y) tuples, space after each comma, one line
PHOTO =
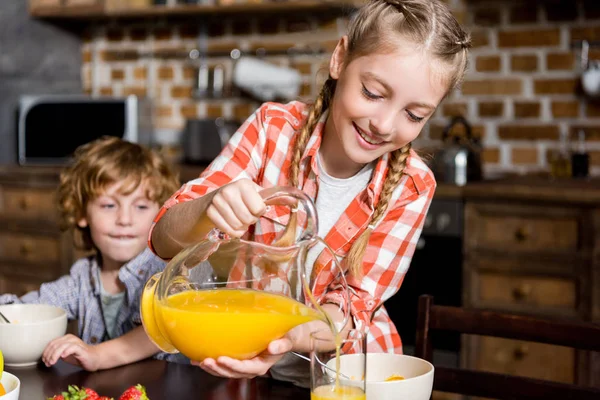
[(369, 141), (381, 103)]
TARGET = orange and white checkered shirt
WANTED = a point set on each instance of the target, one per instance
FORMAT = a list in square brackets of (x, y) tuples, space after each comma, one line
[(261, 151)]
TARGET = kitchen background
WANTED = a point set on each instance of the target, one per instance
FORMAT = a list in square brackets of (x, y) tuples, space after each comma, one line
[(521, 92)]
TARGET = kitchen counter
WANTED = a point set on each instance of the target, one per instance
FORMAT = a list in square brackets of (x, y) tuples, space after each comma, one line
[(49, 175), (574, 191), (543, 190), (577, 191)]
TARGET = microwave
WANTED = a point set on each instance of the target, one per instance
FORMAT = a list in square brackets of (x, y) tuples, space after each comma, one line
[(51, 127)]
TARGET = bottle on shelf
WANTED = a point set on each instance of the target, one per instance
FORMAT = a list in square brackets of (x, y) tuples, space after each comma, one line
[(560, 161), (580, 159)]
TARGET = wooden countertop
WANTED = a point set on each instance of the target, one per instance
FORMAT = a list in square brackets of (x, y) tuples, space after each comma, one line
[(531, 189), (528, 188), (49, 175), (538, 189)]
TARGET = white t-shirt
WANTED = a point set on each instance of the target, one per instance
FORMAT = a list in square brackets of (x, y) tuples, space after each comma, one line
[(333, 197)]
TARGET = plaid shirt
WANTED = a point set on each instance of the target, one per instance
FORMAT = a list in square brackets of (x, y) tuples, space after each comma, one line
[(79, 295), (261, 151)]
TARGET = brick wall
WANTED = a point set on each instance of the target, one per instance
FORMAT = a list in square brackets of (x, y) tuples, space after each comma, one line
[(521, 91), (150, 60)]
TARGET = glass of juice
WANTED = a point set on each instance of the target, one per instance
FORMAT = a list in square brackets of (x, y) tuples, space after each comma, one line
[(338, 365)]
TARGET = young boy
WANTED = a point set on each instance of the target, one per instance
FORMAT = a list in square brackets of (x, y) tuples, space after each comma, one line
[(109, 196)]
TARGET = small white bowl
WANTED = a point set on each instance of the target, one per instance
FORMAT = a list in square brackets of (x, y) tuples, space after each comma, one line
[(32, 327), (416, 385), (12, 385)]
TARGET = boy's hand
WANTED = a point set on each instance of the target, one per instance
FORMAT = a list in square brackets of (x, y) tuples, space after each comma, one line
[(231, 368), (72, 350), (236, 206)]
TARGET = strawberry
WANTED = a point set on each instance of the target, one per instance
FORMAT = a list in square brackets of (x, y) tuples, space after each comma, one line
[(91, 394), (75, 393), (137, 392)]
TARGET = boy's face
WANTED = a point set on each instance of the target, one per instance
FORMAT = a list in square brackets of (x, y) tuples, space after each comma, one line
[(119, 224)]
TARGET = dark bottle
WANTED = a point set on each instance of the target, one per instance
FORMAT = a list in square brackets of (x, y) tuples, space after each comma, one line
[(580, 159)]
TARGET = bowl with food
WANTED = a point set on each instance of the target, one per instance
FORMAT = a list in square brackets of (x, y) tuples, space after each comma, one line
[(389, 376), (31, 327), (9, 387)]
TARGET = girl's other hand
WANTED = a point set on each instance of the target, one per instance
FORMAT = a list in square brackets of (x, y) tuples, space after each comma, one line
[(72, 350), (231, 368), (236, 206)]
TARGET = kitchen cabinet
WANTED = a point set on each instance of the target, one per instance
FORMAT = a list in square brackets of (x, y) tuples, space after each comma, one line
[(32, 247), (99, 9), (533, 247)]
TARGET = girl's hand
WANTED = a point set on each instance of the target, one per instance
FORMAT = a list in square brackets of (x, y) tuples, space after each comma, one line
[(236, 206), (72, 350), (231, 368)]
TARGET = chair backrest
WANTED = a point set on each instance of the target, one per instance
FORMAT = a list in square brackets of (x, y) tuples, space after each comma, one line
[(580, 335)]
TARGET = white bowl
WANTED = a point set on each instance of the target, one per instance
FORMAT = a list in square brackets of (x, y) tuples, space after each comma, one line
[(416, 385), (12, 385), (32, 327)]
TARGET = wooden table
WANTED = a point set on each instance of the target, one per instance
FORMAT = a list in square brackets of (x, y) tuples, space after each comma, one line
[(163, 380)]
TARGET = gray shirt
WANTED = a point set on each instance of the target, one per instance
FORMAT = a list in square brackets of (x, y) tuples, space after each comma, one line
[(111, 304)]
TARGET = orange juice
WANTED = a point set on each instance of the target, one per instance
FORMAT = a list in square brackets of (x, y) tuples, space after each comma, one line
[(335, 392), (394, 378), (2, 390), (237, 323), (149, 319)]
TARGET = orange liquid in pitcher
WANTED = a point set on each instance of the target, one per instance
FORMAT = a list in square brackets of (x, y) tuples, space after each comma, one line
[(238, 323), (335, 392)]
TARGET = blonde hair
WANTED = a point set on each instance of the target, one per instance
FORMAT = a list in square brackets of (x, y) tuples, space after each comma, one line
[(377, 26), (101, 163)]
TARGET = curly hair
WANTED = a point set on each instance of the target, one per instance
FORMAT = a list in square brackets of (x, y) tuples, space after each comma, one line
[(101, 163)]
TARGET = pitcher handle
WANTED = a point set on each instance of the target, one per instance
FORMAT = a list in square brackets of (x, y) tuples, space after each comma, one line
[(289, 195)]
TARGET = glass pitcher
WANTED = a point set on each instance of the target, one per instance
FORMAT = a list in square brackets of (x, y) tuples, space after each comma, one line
[(231, 297)]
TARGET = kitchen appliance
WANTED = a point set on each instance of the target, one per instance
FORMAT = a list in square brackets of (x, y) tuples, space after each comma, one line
[(435, 269), (51, 127), (459, 159), (203, 139), (266, 81)]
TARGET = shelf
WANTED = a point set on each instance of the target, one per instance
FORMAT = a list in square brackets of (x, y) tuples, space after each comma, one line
[(189, 10)]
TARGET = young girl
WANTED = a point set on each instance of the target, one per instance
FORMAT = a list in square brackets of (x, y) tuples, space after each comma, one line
[(351, 152), (109, 197)]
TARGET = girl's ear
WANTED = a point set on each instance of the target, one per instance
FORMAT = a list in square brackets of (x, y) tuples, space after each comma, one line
[(82, 223), (336, 64)]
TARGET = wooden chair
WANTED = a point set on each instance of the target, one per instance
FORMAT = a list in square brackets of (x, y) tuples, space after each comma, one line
[(585, 336)]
